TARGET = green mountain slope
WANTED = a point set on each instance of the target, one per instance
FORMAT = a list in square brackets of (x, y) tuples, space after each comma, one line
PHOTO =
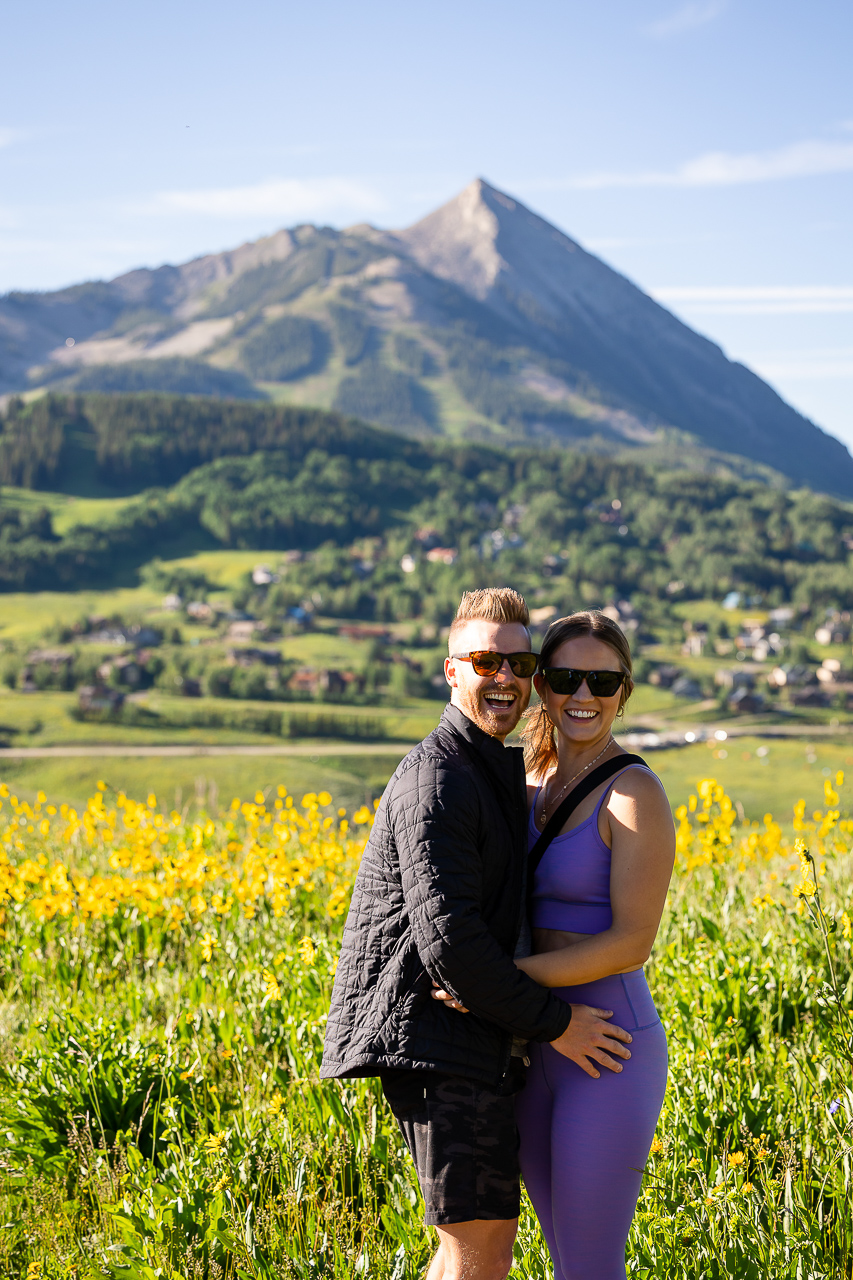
[(481, 322)]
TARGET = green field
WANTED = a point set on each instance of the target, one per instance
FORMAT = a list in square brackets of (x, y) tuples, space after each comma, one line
[(791, 769), (213, 781)]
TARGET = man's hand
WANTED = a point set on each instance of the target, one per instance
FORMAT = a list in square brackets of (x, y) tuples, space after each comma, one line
[(588, 1036)]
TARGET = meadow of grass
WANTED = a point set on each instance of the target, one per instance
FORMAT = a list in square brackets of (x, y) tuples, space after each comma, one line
[(764, 773), (26, 614), (46, 719), (164, 983), (192, 782)]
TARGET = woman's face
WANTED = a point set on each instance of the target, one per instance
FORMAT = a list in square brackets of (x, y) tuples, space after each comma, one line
[(580, 717)]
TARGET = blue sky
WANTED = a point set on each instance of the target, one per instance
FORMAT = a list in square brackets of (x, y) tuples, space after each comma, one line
[(703, 147)]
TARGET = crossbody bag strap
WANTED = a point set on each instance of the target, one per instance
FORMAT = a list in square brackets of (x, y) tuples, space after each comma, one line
[(563, 812)]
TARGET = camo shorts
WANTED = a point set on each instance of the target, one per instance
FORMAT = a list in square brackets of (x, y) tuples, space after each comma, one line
[(463, 1140)]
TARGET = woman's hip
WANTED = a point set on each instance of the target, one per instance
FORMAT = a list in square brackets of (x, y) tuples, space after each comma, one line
[(626, 994)]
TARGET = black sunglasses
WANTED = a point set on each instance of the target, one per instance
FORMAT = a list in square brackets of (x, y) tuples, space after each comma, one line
[(487, 663), (601, 684)]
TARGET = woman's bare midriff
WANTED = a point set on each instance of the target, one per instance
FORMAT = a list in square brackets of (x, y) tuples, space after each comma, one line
[(556, 939)]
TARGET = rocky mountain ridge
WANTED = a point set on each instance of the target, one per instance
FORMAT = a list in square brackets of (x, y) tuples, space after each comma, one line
[(480, 321)]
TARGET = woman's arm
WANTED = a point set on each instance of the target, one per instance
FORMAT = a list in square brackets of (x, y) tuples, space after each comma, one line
[(643, 852)]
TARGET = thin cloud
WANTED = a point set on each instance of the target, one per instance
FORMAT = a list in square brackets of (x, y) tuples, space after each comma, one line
[(811, 364), (757, 299), (601, 244), (696, 13), (8, 136), (724, 169), (275, 198)]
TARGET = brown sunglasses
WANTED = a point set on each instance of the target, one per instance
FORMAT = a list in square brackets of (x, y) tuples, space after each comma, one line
[(488, 663)]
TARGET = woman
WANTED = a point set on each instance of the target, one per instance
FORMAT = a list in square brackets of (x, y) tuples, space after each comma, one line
[(597, 897)]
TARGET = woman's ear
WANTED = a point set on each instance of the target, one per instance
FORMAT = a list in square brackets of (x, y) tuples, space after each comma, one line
[(539, 684)]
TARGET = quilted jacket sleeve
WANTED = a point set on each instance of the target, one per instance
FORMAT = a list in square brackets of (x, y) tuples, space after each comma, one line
[(435, 831)]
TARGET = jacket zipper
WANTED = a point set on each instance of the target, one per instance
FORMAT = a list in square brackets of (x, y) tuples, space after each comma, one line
[(519, 918)]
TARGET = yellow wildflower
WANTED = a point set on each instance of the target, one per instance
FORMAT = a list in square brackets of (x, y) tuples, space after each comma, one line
[(277, 1103), (272, 990), (208, 945), (736, 1158), (307, 951)]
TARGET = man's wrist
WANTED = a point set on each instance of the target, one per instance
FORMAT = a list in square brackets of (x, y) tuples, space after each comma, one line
[(568, 1010)]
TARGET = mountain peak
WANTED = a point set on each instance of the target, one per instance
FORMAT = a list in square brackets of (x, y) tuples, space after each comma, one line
[(458, 241), (483, 236)]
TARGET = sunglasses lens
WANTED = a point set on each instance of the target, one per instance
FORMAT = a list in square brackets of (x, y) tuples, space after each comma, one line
[(522, 664), (486, 664), (603, 684), (562, 679)]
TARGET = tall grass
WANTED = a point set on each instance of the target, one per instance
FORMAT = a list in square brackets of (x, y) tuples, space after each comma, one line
[(164, 988)]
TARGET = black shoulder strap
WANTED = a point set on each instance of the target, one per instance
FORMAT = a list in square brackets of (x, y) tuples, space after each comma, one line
[(563, 812)]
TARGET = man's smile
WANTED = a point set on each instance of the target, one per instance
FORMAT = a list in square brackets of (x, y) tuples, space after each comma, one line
[(499, 700)]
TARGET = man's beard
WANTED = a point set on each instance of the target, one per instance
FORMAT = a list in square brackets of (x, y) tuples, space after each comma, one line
[(489, 719)]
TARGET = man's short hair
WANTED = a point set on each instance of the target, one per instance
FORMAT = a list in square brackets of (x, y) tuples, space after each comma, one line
[(491, 604)]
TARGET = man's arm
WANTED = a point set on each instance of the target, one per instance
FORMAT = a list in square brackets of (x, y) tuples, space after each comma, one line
[(435, 825)]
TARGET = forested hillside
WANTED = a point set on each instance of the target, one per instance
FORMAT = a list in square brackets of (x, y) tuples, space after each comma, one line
[(440, 516)]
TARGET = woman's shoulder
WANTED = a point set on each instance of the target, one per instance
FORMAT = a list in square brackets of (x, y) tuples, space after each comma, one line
[(640, 783)]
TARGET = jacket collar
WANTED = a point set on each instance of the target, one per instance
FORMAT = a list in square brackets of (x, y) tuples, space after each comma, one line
[(483, 743), (504, 766)]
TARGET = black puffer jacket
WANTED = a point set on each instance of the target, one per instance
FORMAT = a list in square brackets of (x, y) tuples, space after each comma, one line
[(439, 895)]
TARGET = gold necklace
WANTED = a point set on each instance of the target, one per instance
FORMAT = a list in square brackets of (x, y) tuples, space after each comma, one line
[(611, 741)]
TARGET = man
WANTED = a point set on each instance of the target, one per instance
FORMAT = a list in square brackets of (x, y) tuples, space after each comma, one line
[(439, 902)]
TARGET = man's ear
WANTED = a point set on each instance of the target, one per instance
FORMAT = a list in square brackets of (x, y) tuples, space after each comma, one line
[(450, 673)]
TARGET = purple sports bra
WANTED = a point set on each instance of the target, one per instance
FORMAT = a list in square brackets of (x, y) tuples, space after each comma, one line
[(571, 885)]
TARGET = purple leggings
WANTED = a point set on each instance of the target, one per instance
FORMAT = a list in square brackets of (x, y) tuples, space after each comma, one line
[(585, 1142)]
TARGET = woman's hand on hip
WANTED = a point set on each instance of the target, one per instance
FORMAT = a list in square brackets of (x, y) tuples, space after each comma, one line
[(439, 993)]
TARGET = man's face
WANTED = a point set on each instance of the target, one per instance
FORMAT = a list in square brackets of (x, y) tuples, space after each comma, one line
[(494, 703)]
